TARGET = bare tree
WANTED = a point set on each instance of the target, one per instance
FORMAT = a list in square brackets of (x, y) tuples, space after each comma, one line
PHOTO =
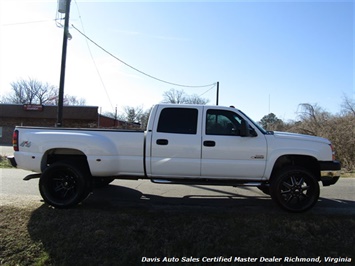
[(195, 99), (145, 117), (133, 114), (180, 97), (348, 106), (339, 129), (174, 96), (314, 119), (73, 100), (32, 91)]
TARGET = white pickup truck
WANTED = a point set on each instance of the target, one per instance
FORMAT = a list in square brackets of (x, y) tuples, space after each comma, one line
[(183, 144)]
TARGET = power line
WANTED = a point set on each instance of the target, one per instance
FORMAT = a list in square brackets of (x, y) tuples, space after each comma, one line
[(158, 79), (93, 60), (27, 22), (213, 85)]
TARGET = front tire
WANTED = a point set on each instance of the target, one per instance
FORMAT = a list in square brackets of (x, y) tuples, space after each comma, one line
[(295, 189), (63, 185)]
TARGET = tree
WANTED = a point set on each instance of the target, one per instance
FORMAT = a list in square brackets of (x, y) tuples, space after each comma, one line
[(132, 114), (72, 100), (136, 115), (174, 96), (348, 106), (339, 129), (32, 91), (144, 118), (315, 120), (180, 97), (195, 99), (271, 122)]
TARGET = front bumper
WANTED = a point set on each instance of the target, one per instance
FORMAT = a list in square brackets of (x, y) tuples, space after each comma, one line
[(12, 160), (329, 172)]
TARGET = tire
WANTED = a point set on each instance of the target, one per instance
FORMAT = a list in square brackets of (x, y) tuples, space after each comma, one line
[(63, 185), (295, 189)]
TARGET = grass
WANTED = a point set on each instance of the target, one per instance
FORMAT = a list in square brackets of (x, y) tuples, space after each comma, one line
[(350, 173), (4, 162), (88, 235), (102, 235)]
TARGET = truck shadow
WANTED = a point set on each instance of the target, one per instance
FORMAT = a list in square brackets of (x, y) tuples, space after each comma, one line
[(123, 226), (221, 200)]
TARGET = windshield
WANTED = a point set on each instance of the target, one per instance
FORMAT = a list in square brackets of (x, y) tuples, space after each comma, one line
[(265, 132)]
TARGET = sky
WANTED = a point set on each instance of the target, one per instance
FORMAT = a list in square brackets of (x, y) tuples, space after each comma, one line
[(268, 56)]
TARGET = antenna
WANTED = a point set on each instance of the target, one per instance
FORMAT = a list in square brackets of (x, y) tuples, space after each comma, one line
[(269, 103)]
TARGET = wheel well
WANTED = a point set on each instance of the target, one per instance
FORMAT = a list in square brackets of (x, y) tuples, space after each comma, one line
[(308, 162), (69, 155)]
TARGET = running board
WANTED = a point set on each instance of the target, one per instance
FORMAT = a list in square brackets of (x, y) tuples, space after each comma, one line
[(32, 176), (208, 182)]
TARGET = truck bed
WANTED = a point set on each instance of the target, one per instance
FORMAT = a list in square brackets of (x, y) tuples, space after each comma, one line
[(108, 152)]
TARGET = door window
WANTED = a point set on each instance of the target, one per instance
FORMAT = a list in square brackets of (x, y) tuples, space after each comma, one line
[(221, 122), (178, 121)]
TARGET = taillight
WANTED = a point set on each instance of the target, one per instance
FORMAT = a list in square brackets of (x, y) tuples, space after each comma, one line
[(15, 140), (333, 152)]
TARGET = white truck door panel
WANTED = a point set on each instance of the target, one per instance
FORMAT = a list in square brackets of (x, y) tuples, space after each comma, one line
[(175, 155), (176, 143), (225, 154), (234, 156)]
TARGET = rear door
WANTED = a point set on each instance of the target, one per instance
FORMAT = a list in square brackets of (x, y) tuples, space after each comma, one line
[(226, 154), (176, 142)]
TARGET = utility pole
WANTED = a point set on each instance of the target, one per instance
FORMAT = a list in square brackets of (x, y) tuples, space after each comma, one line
[(62, 70), (114, 123), (217, 96)]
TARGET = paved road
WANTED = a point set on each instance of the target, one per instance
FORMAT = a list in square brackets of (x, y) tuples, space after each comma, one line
[(339, 198)]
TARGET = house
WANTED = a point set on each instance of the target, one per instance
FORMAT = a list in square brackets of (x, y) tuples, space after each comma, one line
[(12, 115)]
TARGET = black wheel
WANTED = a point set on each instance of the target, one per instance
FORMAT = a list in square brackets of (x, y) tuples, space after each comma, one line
[(63, 185), (295, 189)]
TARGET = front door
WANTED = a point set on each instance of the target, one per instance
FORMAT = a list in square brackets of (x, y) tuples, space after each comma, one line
[(226, 154)]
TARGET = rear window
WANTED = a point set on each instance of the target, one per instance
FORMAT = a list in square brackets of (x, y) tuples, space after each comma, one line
[(178, 120)]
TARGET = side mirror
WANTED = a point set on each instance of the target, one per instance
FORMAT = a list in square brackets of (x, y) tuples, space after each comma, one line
[(246, 130)]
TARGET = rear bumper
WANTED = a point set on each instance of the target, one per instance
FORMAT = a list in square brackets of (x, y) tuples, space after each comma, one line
[(12, 160), (329, 172)]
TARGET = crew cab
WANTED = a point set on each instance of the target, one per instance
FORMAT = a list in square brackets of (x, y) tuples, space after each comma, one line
[(183, 144)]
